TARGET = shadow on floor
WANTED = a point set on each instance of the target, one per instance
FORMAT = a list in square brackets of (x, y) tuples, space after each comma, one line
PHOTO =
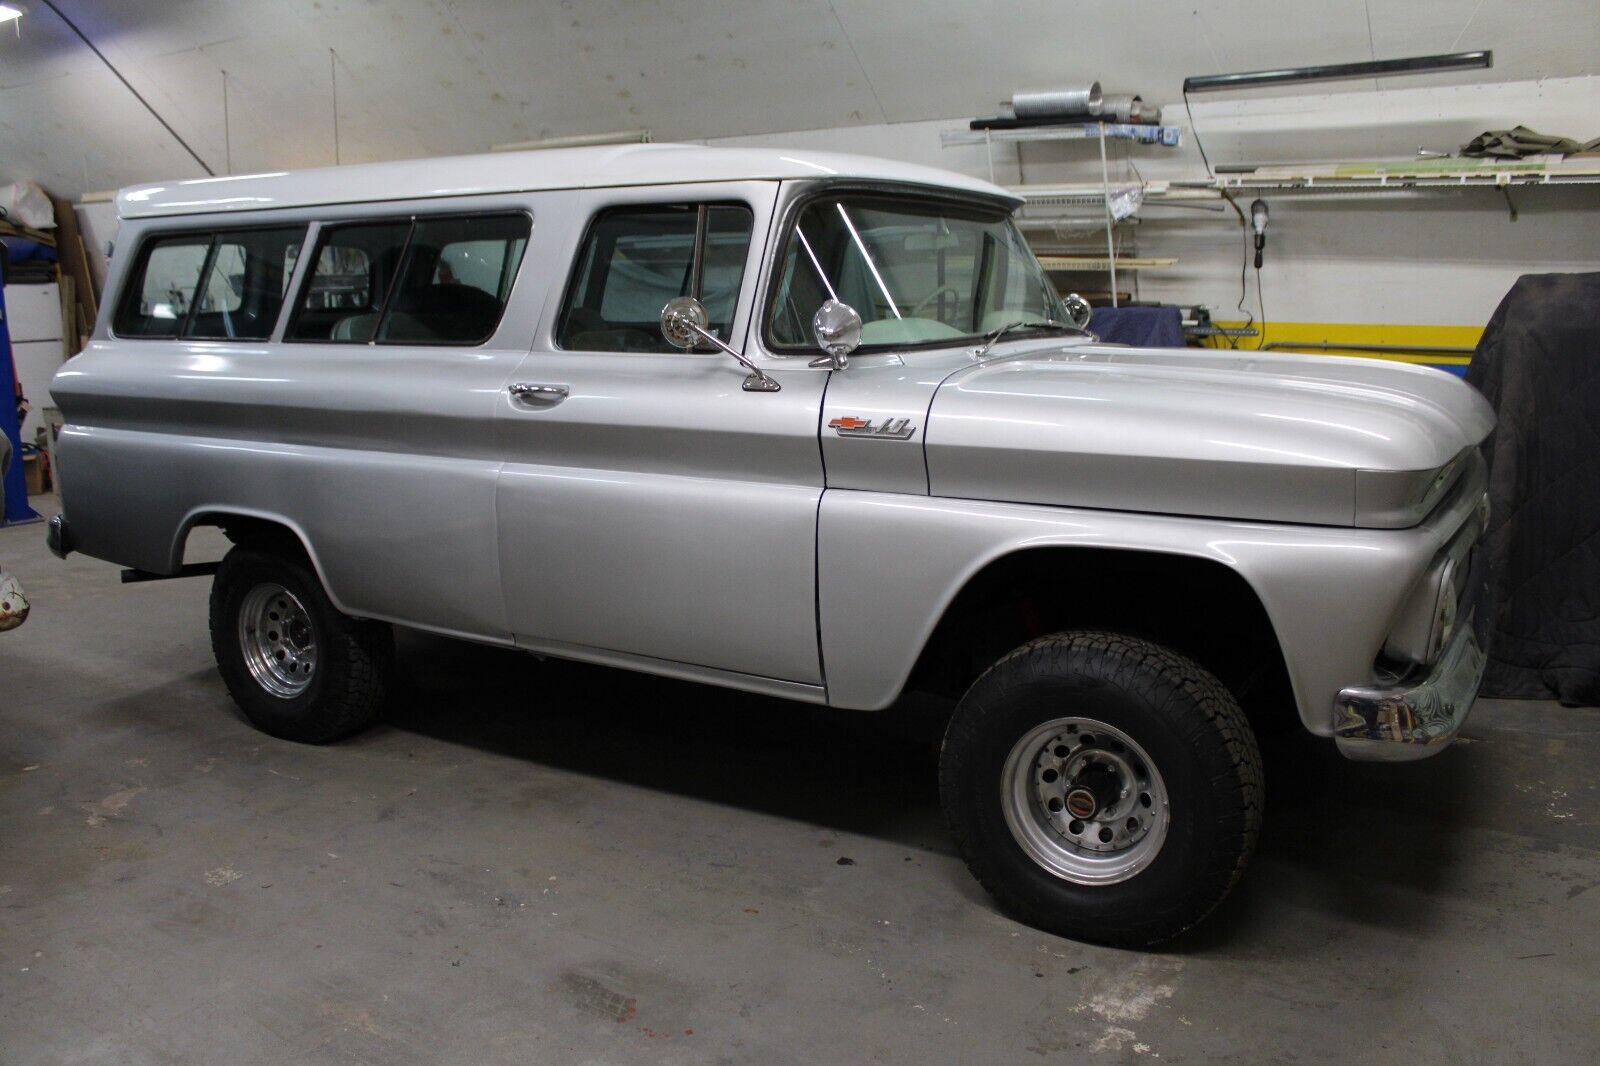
[(873, 774), (1367, 842)]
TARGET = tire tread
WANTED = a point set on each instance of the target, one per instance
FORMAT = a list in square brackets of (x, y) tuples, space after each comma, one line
[(356, 662), (1175, 685)]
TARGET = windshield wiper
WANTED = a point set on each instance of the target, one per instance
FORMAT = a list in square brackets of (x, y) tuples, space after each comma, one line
[(1024, 323)]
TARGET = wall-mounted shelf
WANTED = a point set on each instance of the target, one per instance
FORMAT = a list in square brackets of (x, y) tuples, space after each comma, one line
[(1166, 136), (1092, 194), (1337, 177), (1100, 262), (1450, 173)]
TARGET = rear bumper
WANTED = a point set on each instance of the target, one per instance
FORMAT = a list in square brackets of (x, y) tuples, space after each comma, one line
[(58, 537), (1413, 721)]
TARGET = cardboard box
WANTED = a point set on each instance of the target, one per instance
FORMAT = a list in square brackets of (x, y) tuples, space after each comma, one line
[(33, 470)]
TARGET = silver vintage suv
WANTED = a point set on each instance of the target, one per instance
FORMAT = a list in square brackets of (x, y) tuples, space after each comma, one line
[(802, 424)]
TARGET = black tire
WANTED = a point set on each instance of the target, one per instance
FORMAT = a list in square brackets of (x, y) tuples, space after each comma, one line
[(1195, 735), (354, 657)]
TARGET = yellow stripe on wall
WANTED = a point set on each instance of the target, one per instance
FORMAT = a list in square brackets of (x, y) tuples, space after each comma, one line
[(1378, 333)]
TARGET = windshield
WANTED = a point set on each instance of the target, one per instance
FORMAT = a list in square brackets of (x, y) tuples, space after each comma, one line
[(918, 272)]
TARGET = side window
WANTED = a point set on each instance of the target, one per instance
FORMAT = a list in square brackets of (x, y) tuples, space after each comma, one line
[(243, 290), (346, 290), (157, 297), (456, 278), (635, 259), (209, 285), (431, 280)]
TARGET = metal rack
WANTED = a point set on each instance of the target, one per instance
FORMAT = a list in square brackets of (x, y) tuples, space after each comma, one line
[(1165, 136)]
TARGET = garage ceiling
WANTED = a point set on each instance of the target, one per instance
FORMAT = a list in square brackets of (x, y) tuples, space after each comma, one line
[(428, 77)]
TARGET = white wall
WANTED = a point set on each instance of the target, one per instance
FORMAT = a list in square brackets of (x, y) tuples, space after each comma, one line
[(428, 77), (1426, 259), (1423, 258), (434, 77)]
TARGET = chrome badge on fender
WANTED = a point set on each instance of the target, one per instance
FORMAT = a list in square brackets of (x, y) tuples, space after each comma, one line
[(888, 429)]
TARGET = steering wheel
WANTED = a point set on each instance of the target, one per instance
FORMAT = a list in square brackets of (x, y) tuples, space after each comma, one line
[(922, 304)]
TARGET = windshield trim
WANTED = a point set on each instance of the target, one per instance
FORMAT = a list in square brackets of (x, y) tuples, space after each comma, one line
[(895, 194)]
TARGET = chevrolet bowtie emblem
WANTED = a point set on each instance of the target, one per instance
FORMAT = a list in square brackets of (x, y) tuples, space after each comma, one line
[(888, 429)]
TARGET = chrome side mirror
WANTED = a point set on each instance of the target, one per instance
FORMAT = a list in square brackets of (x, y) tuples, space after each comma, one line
[(837, 329), (683, 324), (684, 321), (1078, 310)]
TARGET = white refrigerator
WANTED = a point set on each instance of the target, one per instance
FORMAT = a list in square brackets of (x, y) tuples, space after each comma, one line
[(33, 313)]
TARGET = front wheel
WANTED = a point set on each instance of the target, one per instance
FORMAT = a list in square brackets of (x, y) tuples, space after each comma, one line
[(1102, 787), (296, 666)]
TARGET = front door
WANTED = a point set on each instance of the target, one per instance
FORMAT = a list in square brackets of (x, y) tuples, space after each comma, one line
[(649, 506)]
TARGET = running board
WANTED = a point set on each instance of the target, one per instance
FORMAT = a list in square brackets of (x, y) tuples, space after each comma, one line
[(130, 577)]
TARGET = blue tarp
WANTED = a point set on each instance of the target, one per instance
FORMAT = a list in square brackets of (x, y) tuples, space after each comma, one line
[(21, 250), (1146, 327)]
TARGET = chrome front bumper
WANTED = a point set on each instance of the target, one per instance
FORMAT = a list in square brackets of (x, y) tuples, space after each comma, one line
[(1413, 721)]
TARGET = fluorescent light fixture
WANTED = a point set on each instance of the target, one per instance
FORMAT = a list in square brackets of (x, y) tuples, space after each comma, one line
[(9, 13), (1379, 68)]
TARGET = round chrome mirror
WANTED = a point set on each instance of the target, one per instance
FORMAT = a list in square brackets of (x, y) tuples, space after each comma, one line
[(679, 318), (1078, 310), (837, 329)]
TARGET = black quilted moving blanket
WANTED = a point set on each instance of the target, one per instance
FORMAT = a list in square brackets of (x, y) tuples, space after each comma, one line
[(1539, 365)]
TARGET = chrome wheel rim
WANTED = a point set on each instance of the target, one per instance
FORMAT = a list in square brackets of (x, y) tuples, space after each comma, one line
[(280, 647), (1085, 801)]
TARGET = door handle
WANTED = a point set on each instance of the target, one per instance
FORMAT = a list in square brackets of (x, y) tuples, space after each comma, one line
[(536, 395)]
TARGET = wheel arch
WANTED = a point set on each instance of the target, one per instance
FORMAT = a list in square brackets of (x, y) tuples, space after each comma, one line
[(254, 527), (1015, 595)]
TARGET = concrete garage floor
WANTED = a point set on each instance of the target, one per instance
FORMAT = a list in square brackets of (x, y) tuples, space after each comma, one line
[(541, 862)]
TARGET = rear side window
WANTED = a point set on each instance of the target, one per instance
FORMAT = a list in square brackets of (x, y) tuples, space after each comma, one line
[(158, 296), (220, 285), (635, 259), (421, 281)]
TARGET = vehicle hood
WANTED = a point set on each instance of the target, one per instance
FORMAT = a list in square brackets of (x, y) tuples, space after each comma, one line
[(1264, 436)]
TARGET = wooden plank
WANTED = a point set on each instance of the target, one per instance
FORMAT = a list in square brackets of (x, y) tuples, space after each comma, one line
[(69, 317), (94, 297), (69, 247)]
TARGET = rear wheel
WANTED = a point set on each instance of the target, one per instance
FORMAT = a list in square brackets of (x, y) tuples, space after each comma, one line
[(296, 666), (1102, 787)]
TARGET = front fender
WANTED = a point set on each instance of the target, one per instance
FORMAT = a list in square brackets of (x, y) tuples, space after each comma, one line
[(890, 565)]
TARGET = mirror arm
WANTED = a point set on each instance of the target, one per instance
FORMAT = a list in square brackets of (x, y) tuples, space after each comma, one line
[(758, 381)]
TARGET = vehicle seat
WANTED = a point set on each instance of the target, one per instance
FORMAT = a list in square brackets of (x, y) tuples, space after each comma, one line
[(355, 327), (447, 312)]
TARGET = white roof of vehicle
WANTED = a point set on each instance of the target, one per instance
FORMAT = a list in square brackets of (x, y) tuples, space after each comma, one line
[(503, 172)]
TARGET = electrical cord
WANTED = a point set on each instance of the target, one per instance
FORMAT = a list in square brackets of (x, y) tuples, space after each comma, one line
[(1261, 336), (73, 26), (1244, 266), (1196, 131), (1244, 230)]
